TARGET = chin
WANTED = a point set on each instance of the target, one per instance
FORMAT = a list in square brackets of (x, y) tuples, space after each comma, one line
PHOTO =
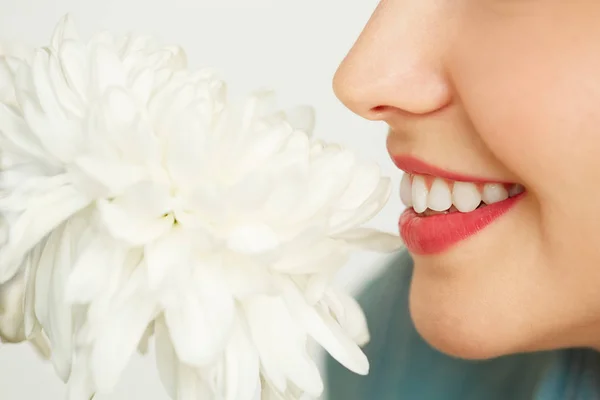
[(456, 319)]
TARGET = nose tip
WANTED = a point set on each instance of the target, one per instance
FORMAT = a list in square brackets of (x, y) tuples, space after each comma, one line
[(396, 65), (373, 94)]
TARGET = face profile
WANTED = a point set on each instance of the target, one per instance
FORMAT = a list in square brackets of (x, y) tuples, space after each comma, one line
[(493, 114)]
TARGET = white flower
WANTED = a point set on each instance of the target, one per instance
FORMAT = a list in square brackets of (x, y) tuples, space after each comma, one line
[(139, 202)]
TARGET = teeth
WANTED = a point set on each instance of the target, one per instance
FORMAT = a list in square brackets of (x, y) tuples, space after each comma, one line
[(436, 194), (515, 190), (419, 194), (406, 191), (493, 193), (440, 197), (465, 196)]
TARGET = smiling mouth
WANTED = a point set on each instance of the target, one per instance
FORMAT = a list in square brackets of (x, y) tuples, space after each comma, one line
[(429, 195)]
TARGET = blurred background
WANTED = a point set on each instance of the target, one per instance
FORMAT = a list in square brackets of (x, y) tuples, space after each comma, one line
[(293, 47)]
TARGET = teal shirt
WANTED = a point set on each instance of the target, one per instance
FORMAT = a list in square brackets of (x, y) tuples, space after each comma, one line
[(405, 367)]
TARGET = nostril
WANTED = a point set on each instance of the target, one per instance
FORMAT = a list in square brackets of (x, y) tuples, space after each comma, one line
[(378, 112)]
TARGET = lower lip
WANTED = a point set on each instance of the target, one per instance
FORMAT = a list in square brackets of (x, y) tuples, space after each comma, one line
[(436, 233)]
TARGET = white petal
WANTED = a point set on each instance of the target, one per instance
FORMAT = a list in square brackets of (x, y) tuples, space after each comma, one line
[(16, 135), (144, 344), (371, 239), (94, 268), (107, 69), (349, 315), (190, 387), (166, 255), (113, 175), (50, 310), (81, 385), (311, 258), (252, 238), (31, 323), (241, 367), (59, 326), (200, 324), (61, 138), (68, 100), (166, 359), (136, 230), (118, 337), (65, 30), (142, 86), (325, 331), (317, 284), (11, 310), (345, 220), (281, 343), (44, 91), (35, 223), (73, 58), (364, 182), (246, 277)]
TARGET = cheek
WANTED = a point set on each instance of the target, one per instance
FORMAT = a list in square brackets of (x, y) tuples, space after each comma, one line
[(533, 95)]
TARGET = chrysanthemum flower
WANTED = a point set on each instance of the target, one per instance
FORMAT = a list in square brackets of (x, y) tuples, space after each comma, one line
[(140, 203)]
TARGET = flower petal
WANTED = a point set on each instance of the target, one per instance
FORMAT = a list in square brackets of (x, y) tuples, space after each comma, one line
[(11, 311), (59, 326), (118, 337), (135, 230), (241, 367), (166, 359), (364, 182), (73, 59), (344, 220), (35, 223), (16, 135), (252, 238), (325, 331), (349, 315), (80, 385), (65, 30), (282, 346), (106, 69), (31, 323), (166, 255), (200, 321), (371, 239), (94, 268)]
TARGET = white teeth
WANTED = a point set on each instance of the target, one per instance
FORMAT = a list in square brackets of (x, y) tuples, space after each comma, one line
[(419, 194), (493, 193), (515, 190), (465, 196), (440, 197), (406, 191)]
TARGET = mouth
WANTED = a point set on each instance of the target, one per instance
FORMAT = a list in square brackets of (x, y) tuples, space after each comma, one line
[(442, 211)]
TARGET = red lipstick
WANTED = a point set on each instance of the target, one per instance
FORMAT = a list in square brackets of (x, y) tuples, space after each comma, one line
[(436, 233)]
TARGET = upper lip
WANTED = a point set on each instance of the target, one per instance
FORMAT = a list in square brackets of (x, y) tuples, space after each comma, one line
[(415, 166)]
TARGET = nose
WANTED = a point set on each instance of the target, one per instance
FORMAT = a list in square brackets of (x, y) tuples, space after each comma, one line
[(397, 63)]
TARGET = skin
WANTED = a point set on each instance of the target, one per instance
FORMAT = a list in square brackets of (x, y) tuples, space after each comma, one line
[(507, 90)]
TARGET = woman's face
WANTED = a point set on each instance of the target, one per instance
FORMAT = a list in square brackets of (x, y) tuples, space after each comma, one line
[(502, 92)]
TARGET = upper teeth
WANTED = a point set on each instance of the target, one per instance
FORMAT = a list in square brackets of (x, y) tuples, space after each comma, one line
[(437, 194)]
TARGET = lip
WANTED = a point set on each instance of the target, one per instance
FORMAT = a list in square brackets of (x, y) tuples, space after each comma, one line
[(414, 166), (436, 233)]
